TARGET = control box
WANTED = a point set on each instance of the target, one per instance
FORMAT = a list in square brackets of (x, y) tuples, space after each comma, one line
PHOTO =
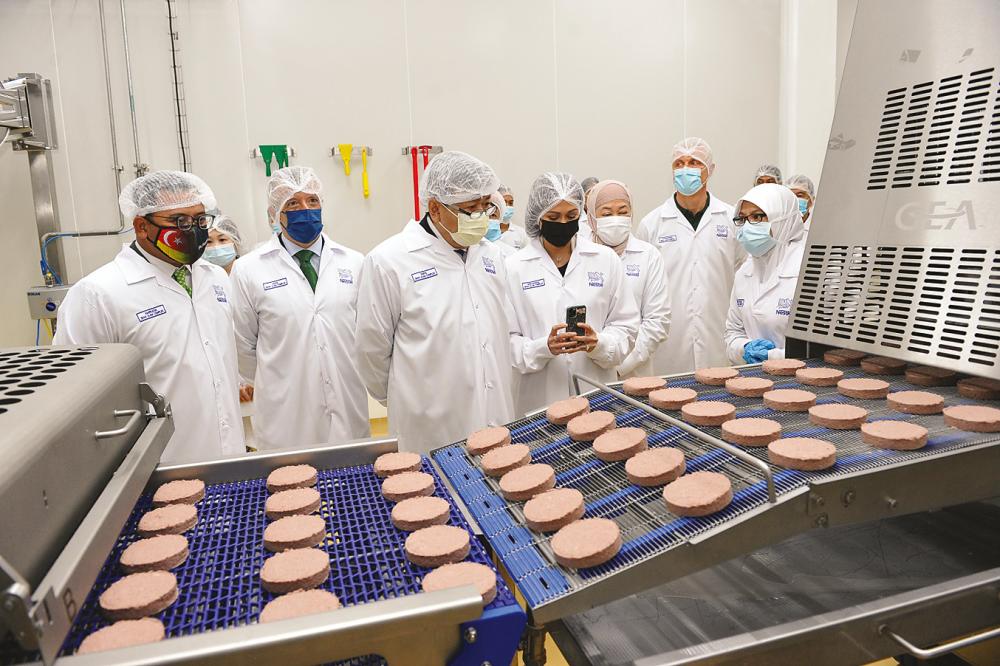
[(44, 302)]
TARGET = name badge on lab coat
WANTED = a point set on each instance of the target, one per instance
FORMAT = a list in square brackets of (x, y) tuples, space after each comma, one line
[(722, 231), (220, 293), (595, 278), (533, 284), (148, 314), (425, 274), (275, 284), (489, 266), (346, 275), (669, 238), (632, 270), (784, 307)]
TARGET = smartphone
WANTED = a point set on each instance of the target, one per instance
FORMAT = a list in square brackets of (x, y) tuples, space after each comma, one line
[(575, 315)]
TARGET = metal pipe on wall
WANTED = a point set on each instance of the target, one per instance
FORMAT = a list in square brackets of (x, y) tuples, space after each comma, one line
[(116, 166), (140, 168)]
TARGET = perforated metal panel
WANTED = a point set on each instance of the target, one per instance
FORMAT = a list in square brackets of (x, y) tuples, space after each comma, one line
[(903, 254)]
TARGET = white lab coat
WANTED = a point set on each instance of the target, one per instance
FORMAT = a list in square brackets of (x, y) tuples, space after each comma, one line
[(700, 266), (540, 295), (515, 236), (432, 337), (186, 342), (307, 389), (646, 279)]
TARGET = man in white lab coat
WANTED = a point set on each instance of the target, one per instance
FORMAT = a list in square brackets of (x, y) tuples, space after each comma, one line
[(513, 235), (433, 313), (695, 234), (294, 306), (161, 296)]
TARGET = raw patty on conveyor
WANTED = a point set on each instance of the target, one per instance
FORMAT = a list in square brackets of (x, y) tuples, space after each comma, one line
[(396, 462), (805, 453), (901, 435), (715, 376), (927, 375), (672, 398), (158, 553), (642, 385), (124, 633), (819, 376), (751, 432), (525, 482), (437, 545), (181, 491), (708, 412), (295, 502), (916, 402), (296, 569), (483, 440), (587, 427), (843, 357), (562, 412), (749, 387), (783, 367), (499, 461), (290, 477), (587, 543), (463, 573), (416, 513), (139, 595), (655, 467), (973, 418), (698, 494), (399, 487), (299, 603), (620, 444), (838, 416), (554, 509), (883, 365), (790, 400), (293, 532), (863, 388), (979, 388), (170, 519)]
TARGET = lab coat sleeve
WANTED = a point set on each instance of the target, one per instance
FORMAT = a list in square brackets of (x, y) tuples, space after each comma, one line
[(655, 316), (378, 315), (84, 319), (527, 354), (615, 340), (245, 322), (736, 334)]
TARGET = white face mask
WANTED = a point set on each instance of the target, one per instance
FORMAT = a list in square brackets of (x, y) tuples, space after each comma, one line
[(613, 230)]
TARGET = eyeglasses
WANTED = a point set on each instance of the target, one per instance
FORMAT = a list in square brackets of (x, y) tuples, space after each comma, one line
[(490, 210), (752, 218), (186, 222)]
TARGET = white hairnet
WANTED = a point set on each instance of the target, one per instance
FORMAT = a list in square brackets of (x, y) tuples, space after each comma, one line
[(768, 170), (696, 148), (549, 189), (164, 190), (802, 182), (225, 225), (284, 183), (503, 189), (453, 177), (497, 200), (589, 182), (782, 209)]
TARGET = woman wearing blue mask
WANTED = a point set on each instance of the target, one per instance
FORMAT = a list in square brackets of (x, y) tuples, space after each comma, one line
[(513, 234), (769, 227), (495, 230), (225, 244)]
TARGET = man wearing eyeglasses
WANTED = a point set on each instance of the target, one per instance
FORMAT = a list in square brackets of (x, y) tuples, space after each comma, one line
[(433, 312), (161, 296)]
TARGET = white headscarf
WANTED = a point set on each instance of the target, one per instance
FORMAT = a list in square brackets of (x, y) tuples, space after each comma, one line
[(782, 209)]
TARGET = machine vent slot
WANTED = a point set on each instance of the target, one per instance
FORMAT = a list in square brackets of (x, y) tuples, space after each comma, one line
[(943, 303), (939, 133)]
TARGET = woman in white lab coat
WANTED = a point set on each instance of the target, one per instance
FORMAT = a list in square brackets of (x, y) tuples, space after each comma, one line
[(610, 223), (769, 226), (556, 270)]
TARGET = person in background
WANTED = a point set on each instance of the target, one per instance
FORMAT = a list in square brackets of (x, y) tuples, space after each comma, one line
[(767, 173), (770, 228), (494, 232), (295, 315), (513, 235), (587, 184), (433, 332), (225, 244), (697, 240), (802, 187), (559, 269), (610, 205), (161, 296)]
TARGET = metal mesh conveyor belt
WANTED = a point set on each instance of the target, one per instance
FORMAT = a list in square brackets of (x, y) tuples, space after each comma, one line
[(220, 581), (648, 528)]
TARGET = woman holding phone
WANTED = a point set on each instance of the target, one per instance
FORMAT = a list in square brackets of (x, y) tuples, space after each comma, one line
[(555, 276)]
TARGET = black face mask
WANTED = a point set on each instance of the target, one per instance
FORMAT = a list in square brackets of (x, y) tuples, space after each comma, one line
[(559, 233)]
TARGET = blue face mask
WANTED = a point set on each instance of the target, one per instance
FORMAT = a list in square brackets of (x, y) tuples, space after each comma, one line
[(276, 228), (803, 207), (303, 226), (220, 255), (687, 180), (493, 232), (508, 214), (756, 238)]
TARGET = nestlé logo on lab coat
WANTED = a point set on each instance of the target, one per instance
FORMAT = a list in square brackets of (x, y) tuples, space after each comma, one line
[(220, 293), (784, 307), (489, 266), (595, 278), (721, 231), (632, 270), (346, 276)]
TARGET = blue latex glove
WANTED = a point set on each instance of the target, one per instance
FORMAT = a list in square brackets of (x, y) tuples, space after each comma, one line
[(755, 351)]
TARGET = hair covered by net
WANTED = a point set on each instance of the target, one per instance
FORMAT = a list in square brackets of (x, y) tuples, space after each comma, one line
[(697, 148), (768, 170), (454, 177), (802, 182), (164, 190), (286, 182), (225, 225), (549, 189)]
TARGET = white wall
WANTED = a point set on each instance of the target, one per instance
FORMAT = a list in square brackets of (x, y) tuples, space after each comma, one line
[(592, 86)]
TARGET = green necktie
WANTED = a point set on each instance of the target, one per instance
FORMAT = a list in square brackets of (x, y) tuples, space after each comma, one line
[(181, 277), (305, 264)]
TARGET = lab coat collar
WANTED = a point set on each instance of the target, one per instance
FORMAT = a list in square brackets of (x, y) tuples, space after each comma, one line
[(416, 238), (135, 268), (634, 244)]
